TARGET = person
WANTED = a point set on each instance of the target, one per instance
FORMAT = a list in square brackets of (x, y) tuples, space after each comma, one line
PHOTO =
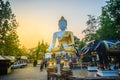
[(35, 63), (73, 59), (80, 61), (65, 39), (41, 65), (45, 63)]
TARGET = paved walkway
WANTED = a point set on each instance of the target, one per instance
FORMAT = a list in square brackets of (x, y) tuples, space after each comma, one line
[(27, 73), (34, 73)]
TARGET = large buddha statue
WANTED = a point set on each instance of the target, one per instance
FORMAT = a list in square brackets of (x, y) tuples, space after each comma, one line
[(65, 39)]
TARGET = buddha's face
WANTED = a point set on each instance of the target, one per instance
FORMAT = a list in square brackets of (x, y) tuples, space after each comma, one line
[(62, 25)]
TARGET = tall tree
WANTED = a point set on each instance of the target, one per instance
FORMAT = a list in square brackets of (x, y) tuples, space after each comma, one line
[(11, 44), (41, 49), (110, 21), (93, 25), (8, 26), (108, 24)]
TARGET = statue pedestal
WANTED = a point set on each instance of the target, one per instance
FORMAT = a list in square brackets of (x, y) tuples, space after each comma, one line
[(51, 69), (66, 72), (66, 67), (92, 68), (107, 73)]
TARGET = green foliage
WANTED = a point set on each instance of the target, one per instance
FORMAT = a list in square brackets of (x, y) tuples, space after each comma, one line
[(93, 25), (41, 49), (9, 43), (7, 19), (23, 51), (107, 26), (79, 43), (32, 52), (110, 21)]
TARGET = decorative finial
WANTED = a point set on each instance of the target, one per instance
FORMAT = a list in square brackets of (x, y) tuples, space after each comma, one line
[(62, 19)]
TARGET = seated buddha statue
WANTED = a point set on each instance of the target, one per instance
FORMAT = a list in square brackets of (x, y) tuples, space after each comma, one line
[(65, 39)]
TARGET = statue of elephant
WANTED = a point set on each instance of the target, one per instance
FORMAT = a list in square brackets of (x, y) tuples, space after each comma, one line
[(106, 50)]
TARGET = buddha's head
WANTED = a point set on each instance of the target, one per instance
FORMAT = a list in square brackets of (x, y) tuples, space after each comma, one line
[(62, 23)]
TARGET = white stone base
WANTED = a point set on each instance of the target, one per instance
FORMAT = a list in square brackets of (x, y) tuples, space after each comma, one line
[(92, 68), (107, 73)]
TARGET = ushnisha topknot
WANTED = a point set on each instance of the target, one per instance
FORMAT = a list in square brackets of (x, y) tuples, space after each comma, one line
[(62, 19)]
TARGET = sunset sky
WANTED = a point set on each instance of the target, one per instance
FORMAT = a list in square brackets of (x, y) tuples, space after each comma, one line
[(38, 19)]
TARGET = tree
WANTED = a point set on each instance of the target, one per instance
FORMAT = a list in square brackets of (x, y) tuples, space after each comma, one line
[(93, 25), (32, 52), (110, 21), (79, 43), (11, 46), (107, 26), (8, 37), (41, 49)]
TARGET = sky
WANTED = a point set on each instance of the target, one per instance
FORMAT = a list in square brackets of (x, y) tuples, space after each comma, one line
[(38, 19)]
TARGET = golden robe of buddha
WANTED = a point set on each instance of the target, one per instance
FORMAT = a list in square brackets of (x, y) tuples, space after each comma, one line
[(66, 43)]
